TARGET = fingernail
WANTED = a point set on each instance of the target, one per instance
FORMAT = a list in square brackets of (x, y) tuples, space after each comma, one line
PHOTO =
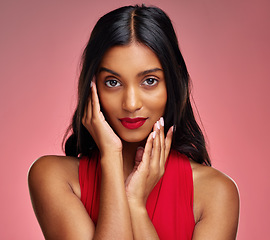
[(162, 121), (154, 134), (158, 125), (91, 84)]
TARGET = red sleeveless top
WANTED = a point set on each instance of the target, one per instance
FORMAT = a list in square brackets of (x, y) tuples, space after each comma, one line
[(169, 206)]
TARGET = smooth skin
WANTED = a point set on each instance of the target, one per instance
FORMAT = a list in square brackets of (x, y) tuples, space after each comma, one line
[(130, 83)]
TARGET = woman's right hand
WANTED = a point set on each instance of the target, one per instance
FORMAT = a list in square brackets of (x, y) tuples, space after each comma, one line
[(94, 121)]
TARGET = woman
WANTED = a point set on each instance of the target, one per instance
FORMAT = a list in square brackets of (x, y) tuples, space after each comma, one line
[(136, 164)]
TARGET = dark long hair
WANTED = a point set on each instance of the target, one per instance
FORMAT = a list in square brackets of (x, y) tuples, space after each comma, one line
[(153, 28)]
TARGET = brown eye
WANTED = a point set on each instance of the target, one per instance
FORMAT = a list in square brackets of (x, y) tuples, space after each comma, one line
[(150, 82), (112, 83)]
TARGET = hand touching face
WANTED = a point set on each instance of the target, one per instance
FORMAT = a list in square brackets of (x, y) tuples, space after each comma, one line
[(132, 90)]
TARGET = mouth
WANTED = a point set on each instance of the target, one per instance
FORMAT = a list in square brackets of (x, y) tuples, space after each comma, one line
[(132, 123)]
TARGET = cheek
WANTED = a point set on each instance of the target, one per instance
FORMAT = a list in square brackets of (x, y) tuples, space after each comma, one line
[(110, 106), (106, 104), (157, 102), (160, 104)]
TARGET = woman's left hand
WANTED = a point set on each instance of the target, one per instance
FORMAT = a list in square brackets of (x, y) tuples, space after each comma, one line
[(149, 165)]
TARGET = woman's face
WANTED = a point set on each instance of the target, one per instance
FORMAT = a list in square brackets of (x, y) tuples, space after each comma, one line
[(132, 90)]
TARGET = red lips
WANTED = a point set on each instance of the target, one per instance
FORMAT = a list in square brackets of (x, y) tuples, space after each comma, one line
[(132, 123)]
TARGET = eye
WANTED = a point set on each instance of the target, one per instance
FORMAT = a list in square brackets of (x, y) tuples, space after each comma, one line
[(150, 82), (112, 83)]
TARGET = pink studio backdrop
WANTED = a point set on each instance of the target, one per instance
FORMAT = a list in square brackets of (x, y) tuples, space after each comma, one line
[(226, 48)]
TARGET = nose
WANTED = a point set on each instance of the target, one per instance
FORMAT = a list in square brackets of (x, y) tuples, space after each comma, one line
[(131, 100)]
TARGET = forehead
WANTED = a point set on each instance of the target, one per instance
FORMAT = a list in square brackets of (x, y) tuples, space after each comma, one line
[(135, 57)]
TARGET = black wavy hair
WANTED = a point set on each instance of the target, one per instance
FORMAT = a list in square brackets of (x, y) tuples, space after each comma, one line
[(153, 28)]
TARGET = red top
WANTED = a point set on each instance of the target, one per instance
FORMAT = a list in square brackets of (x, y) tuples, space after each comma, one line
[(169, 206)]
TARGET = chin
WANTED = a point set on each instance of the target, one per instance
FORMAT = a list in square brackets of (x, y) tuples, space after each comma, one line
[(134, 138)]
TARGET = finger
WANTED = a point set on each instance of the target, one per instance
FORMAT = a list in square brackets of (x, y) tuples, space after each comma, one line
[(162, 143), (168, 142), (155, 160), (87, 112), (88, 108), (95, 102), (148, 150)]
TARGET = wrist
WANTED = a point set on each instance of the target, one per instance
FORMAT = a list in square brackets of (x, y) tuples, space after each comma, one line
[(112, 154), (111, 159), (135, 205), (137, 211)]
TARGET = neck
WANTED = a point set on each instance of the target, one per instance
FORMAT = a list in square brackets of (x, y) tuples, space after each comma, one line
[(129, 153)]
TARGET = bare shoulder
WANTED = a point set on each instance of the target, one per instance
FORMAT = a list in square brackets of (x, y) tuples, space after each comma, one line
[(211, 179), (216, 199), (55, 194), (53, 168)]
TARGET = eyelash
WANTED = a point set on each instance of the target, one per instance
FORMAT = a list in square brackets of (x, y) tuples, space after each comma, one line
[(110, 81), (153, 79), (117, 83)]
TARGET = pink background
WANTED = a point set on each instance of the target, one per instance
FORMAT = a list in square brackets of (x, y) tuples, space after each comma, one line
[(226, 48)]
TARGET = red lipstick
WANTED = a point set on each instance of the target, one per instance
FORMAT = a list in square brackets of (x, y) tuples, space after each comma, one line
[(132, 123)]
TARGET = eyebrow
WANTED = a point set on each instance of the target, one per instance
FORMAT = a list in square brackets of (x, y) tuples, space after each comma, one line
[(103, 69)]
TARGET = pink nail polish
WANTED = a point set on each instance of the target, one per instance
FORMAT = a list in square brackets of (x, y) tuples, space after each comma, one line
[(158, 125), (162, 121)]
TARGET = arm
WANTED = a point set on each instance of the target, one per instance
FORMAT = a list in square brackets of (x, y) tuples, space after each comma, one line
[(114, 217), (142, 226), (149, 168), (219, 199), (58, 209)]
